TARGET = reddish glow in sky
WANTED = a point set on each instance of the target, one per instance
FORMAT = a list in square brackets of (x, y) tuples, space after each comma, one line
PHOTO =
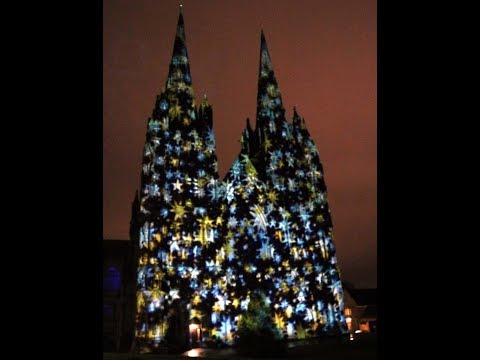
[(324, 57)]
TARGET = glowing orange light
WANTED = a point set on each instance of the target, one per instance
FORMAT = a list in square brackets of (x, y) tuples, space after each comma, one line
[(193, 327)]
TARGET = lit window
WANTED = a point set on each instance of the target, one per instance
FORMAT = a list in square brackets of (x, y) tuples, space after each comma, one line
[(349, 323), (348, 312), (365, 327), (111, 280)]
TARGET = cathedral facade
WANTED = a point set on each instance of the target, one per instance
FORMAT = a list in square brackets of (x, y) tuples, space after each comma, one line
[(206, 246)]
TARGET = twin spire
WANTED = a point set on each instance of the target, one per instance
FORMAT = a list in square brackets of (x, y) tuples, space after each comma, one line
[(179, 70), (265, 61), (270, 110), (267, 83)]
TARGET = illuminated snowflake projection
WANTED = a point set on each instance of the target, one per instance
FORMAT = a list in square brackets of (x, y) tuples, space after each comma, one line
[(177, 212), (206, 245)]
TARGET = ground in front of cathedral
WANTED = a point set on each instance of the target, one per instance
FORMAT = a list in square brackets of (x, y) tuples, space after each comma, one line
[(362, 347)]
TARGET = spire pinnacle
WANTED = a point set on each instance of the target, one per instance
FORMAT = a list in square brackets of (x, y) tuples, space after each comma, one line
[(246, 139), (204, 102), (249, 127), (265, 61), (179, 70), (296, 118), (270, 111)]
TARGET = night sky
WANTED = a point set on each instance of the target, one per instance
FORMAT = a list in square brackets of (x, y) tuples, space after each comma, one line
[(324, 57)]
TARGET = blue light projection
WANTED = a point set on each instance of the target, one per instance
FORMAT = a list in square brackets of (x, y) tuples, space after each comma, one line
[(209, 244)]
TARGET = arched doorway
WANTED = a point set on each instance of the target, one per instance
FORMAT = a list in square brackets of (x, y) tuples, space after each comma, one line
[(195, 328)]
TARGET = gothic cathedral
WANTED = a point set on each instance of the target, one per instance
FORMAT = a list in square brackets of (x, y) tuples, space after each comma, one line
[(206, 246)]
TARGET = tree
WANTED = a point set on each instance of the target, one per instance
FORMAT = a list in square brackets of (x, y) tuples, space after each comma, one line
[(257, 333), (257, 320)]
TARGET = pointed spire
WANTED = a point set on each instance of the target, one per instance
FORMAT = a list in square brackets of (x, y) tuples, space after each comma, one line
[(205, 113), (296, 118), (247, 139), (135, 204), (270, 111), (179, 70), (249, 127), (298, 123), (204, 102), (265, 61), (134, 219)]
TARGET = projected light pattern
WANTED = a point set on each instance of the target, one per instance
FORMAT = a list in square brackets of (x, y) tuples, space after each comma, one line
[(208, 244)]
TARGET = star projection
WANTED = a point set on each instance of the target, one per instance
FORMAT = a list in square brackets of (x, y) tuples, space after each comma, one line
[(205, 246)]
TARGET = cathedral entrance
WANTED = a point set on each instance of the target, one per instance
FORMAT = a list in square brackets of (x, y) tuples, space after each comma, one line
[(195, 328)]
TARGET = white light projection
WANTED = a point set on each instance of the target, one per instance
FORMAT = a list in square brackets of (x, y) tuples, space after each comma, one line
[(208, 244)]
